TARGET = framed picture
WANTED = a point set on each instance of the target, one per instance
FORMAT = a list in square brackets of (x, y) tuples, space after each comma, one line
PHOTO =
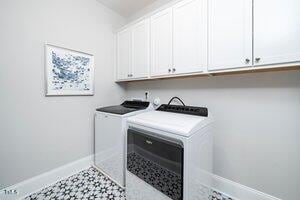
[(68, 72)]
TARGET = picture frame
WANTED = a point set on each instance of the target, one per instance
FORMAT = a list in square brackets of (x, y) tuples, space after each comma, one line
[(68, 72)]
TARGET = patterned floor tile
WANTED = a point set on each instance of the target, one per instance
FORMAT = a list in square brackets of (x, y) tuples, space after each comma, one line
[(160, 178), (86, 185), (91, 184)]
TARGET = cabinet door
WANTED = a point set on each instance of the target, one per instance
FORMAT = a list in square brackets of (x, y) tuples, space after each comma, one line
[(276, 31), (140, 49), (161, 43), (230, 34), (189, 36), (124, 54)]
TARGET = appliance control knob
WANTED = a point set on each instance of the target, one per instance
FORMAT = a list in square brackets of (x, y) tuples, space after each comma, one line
[(257, 59), (174, 70), (156, 101), (247, 61), (169, 70)]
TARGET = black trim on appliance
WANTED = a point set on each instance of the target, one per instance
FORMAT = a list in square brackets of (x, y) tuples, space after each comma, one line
[(190, 110), (136, 104), (125, 107)]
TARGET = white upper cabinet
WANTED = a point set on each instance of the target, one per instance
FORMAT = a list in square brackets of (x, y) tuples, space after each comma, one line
[(189, 36), (230, 34), (133, 51), (140, 49), (211, 36), (276, 31), (161, 43), (124, 54)]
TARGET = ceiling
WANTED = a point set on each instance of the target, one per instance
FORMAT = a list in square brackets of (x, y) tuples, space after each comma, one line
[(126, 8)]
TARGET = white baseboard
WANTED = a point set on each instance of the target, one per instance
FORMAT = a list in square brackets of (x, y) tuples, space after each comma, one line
[(227, 187), (39, 182), (238, 191)]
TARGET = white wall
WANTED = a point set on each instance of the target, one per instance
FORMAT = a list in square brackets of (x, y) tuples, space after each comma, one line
[(257, 129), (39, 133)]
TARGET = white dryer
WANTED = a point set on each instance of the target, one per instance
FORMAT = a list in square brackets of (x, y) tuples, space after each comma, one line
[(110, 131), (169, 153)]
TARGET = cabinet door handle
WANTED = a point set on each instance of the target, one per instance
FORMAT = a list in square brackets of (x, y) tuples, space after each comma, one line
[(257, 60), (174, 70), (247, 61)]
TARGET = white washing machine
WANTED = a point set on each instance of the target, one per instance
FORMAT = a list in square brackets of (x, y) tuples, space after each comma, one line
[(169, 154), (110, 131)]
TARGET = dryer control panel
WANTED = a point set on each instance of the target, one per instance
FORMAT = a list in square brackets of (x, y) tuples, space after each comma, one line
[(190, 110)]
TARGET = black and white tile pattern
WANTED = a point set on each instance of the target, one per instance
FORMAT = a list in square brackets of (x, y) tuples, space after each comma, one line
[(160, 178), (91, 184), (86, 185)]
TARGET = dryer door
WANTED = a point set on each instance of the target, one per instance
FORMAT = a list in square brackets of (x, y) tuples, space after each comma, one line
[(157, 161)]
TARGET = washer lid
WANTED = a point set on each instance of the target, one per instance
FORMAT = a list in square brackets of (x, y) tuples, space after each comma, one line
[(125, 107), (118, 110), (180, 124)]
